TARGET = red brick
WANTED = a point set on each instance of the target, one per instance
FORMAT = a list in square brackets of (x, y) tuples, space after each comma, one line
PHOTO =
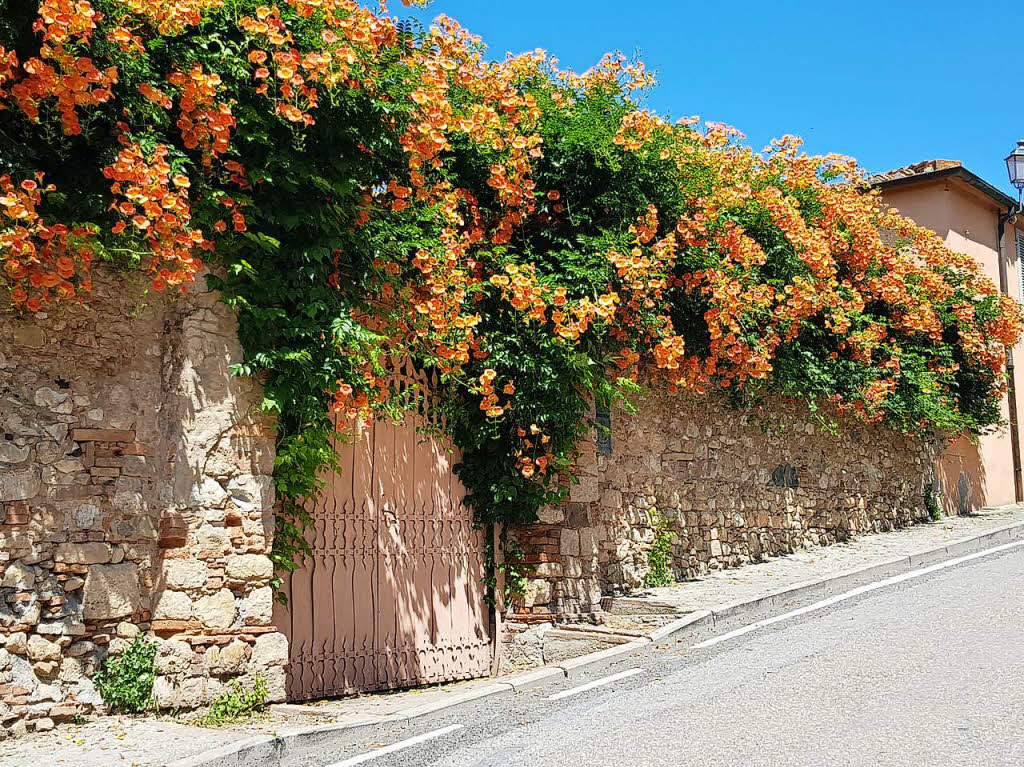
[(103, 435)]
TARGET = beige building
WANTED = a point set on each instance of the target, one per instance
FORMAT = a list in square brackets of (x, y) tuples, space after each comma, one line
[(965, 211)]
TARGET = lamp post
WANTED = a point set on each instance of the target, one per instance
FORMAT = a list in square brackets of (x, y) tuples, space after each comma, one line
[(1015, 168)]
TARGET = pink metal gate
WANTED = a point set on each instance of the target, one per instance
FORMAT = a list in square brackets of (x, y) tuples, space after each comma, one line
[(392, 595)]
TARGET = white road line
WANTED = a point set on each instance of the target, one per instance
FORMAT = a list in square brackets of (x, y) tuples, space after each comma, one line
[(596, 683), (397, 746), (854, 593)]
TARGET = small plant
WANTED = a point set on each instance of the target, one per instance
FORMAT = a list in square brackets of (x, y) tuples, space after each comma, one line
[(125, 681), (236, 703), (931, 502), (512, 568), (659, 557)]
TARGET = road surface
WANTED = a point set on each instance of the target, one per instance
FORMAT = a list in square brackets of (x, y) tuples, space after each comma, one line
[(925, 673)]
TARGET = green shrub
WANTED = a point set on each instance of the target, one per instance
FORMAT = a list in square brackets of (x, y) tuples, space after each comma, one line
[(236, 702), (125, 681), (659, 557), (931, 502)]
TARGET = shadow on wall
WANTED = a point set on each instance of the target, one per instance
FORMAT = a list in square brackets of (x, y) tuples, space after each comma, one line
[(212, 597), (961, 479), (391, 595)]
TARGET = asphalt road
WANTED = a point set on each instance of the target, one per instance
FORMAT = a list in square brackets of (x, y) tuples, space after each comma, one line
[(929, 672)]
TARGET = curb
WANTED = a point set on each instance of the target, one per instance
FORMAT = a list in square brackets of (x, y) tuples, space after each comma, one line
[(268, 750)]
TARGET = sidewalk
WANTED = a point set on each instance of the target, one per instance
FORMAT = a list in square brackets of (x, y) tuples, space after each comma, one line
[(158, 741)]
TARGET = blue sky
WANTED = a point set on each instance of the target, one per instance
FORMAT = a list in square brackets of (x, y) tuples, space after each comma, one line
[(889, 82)]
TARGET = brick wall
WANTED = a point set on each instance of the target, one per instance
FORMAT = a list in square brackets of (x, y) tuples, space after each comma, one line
[(730, 487), (135, 496)]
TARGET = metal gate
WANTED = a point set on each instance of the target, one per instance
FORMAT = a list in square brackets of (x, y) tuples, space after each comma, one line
[(392, 595)]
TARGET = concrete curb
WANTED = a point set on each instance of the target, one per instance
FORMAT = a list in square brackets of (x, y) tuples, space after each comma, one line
[(267, 751)]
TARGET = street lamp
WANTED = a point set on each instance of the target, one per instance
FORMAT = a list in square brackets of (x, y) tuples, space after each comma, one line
[(1015, 167)]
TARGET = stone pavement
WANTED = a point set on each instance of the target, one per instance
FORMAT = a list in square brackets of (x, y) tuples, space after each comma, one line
[(136, 742)]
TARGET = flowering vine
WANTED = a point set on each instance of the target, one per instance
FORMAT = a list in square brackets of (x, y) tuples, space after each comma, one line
[(367, 190)]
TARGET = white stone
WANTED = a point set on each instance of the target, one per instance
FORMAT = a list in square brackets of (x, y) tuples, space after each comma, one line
[(53, 400), (173, 657), (208, 493), (173, 605), (184, 573), (18, 576), (230, 659), (216, 611), (40, 649), (269, 650), (68, 626), (127, 630), (111, 591), (87, 516), (11, 453), (71, 670), (276, 681), (249, 567), (257, 607), (189, 693), (82, 647)]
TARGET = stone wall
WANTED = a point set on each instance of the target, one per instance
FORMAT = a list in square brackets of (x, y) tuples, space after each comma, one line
[(728, 487), (135, 496)]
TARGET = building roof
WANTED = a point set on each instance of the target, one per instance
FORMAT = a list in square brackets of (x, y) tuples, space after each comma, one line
[(933, 170)]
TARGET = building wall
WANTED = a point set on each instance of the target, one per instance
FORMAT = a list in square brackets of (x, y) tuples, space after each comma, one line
[(978, 473), (730, 487), (135, 496)]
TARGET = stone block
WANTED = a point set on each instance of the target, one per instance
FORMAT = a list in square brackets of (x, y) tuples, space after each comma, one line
[(173, 658), (209, 492), (173, 605), (569, 543), (230, 660), (17, 643), (67, 626), (551, 516), (18, 576), (257, 607), (247, 568), (11, 453), (19, 485), (276, 681), (269, 650), (537, 592), (186, 694), (216, 611), (111, 591), (40, 649), (55, 401), (87, 516), (91, 553), (248, 492), (184, 573)]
